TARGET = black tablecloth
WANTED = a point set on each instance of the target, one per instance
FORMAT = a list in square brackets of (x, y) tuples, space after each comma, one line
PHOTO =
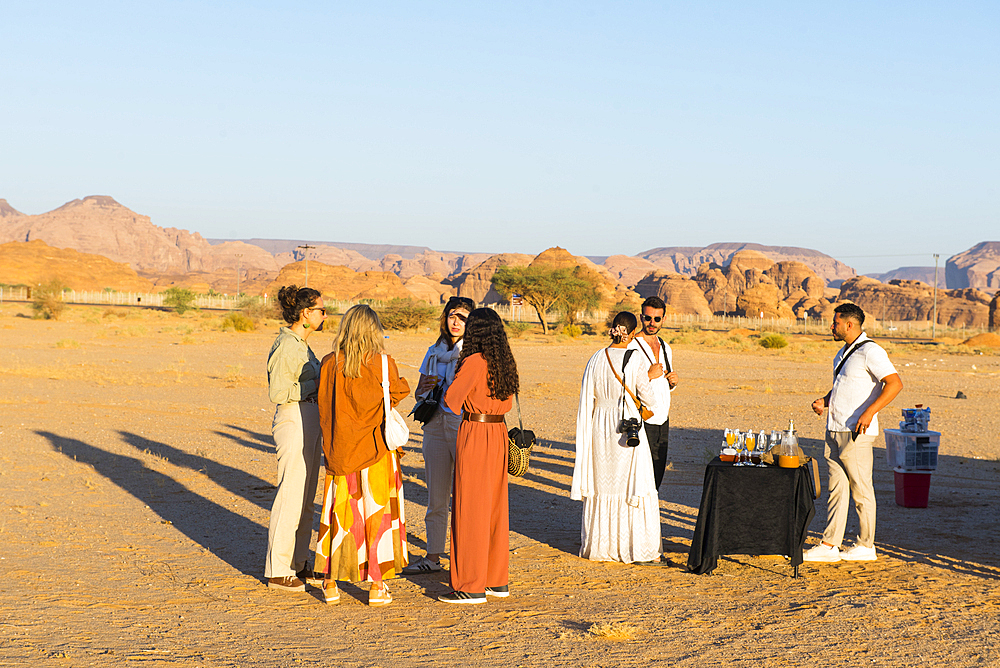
[(751, 510)]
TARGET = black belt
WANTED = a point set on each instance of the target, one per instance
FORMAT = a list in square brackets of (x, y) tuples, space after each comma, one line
[(482, 417)]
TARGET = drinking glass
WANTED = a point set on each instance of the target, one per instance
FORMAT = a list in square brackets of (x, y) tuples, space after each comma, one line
[(761, 448)]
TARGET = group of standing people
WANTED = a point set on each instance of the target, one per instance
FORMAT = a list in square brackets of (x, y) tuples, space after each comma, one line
[(337, 407)]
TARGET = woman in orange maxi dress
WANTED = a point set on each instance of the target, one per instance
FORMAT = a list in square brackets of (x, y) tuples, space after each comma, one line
[(482, 391)]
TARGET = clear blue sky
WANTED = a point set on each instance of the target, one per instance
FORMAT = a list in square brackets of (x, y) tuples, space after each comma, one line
[(855, 128)]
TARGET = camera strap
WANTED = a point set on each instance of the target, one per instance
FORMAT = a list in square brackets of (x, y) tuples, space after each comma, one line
[(621, 378), (850, 352)]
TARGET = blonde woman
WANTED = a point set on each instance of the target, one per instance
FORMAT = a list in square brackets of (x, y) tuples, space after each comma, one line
[(362, 534)]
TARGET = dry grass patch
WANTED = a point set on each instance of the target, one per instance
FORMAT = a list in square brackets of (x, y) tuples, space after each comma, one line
[(613, 631)]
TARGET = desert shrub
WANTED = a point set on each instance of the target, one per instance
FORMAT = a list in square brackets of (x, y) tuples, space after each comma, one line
[(406, 314), (46, 301), (238, 321), (257, 310), (119, 312), (67, 343), (517, 329), (772, 340), (179, 299), (572, 331), (690, 329)]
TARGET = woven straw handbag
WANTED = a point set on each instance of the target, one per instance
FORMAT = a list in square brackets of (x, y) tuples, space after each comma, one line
[(519, 445)]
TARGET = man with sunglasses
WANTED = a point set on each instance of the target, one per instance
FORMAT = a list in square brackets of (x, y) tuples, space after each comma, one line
[(662, 377)]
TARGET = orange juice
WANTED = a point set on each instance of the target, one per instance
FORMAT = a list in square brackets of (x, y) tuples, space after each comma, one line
[(788, 461), (730, 439), (749, 440)]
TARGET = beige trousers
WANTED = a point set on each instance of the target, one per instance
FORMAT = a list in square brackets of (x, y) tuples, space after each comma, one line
[(298, 441), (850, 475), (440, 435)]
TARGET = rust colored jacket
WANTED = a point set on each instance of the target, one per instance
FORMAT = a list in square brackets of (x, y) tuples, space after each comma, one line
[(351, 413)]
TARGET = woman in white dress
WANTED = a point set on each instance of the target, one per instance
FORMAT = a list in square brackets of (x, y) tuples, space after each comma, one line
[(621, 509)]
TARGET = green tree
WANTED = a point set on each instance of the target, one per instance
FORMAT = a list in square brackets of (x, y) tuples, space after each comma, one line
[(544, 289), (179, 299)]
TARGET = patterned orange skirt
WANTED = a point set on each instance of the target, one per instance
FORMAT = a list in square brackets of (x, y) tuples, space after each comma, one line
[(362, 534)]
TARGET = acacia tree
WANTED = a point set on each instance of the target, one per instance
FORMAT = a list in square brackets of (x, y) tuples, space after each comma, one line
[(545, 289)]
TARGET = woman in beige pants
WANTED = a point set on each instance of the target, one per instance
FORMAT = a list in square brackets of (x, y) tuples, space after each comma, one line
[(293, 375)]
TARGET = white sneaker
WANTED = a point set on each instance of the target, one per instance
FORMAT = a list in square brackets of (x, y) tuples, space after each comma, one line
[(859, 553), (823, 553)]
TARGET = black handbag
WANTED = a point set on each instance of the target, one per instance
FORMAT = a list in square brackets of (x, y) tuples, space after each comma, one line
[(427, 408)]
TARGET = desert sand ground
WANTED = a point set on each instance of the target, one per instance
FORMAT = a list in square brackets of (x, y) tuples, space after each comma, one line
[(136, 471)]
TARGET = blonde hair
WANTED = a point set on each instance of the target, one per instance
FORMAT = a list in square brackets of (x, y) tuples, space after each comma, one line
[(359, 338)]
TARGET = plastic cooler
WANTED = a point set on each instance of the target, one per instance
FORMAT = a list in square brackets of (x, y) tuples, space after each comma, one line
[(912, 450), (913, 456)]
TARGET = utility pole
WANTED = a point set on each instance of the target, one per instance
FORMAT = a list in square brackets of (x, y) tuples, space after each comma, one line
[(238, 256), (934, 324), (306, 248)]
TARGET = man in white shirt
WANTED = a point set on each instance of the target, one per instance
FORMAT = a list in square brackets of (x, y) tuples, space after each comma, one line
[(864, 382), (663, 379)]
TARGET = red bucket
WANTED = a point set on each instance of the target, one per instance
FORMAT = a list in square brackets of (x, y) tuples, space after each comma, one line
[(912, 488)]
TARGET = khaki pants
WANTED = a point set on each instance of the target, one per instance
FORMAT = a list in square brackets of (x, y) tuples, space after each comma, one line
[(850, 475), (440, 435), (297, 439)]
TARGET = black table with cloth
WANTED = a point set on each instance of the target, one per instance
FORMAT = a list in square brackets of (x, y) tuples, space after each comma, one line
[(751, 510)]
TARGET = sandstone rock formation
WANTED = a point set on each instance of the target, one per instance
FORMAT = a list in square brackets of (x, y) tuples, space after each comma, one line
[(331, 255), (914, 300), (35, 262), (922, 274), (341, 282), (687, 260), (609, 289), (100, 225), (763, 300), (629, 270), (978, 267), (680, 293), (7, 211), (431, 288), (994, 311), (476, 282)]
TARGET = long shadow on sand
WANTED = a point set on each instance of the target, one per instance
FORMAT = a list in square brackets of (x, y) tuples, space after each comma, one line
[(204, 522), (237, 481), (249, 439)]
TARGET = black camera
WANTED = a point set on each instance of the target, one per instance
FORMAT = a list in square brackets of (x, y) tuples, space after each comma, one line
[(630, 428)]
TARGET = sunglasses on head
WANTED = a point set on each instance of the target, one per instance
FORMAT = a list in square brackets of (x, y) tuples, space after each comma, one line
[(647, 318)]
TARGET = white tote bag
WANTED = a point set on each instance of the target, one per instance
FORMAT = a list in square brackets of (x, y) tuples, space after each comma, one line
[(396, 431)]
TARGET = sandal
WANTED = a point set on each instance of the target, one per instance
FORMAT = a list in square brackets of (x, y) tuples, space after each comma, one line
[(379, 595)]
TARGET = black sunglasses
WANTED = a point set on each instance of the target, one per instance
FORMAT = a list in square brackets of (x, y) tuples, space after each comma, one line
[(647, 318), (320, 308)]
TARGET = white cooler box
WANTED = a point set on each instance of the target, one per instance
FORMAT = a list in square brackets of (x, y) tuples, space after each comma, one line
[(912, 450)]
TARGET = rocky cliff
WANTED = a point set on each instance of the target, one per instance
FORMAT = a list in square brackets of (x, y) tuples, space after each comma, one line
[(100, 225), (978, 267), (341, 282), (686, 260), (914, 300)]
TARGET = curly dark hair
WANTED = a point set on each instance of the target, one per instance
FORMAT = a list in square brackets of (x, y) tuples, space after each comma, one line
[(294, 300), (484, 333)]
